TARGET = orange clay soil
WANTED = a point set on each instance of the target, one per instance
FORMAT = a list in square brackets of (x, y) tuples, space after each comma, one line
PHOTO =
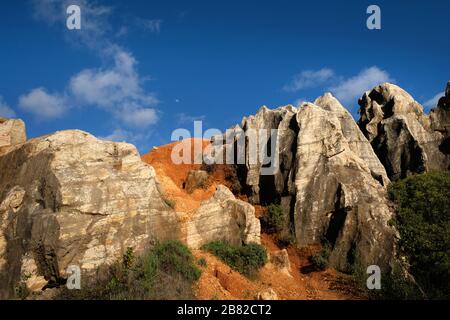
[(218, 281), (172, 176)]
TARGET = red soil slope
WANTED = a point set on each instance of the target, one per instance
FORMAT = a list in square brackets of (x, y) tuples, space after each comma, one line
[(218, 281)]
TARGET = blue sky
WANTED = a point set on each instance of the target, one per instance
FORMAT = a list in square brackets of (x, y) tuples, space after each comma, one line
[(137, 70)]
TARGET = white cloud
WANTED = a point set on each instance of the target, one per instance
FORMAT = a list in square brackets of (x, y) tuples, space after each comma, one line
[(431, 103), (118, 90), (5, 110), (43, 104), (300, 101), (117, 87), (118, 135), (309, 79), (94, 27), (183, 118), (139, 117), (351, 89)]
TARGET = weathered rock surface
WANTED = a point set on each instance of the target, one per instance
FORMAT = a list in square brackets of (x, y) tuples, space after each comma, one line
[(280, 259), (223, 217), (267, 188), (267, 295), (70, 199), (440, 122), (12, 133), (400, 132), (330, 182), (357, 142), (337, 197), (196, 179)]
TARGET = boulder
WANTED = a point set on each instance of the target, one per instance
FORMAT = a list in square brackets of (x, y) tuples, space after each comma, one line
[(400, 132), (12, 133), (223, 217), (267, 295), (280, 259), (71, 199)]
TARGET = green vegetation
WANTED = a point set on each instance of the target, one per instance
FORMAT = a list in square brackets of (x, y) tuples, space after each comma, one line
[(21, 290), (167, 271), (202, 262), (247, 259), (276, 221), (423, 220), (320, 259), (232, 176)]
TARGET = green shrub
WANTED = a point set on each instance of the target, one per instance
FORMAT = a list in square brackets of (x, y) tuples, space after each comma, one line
[(423, 220), (202, 262), (274, 220), (167, 271), (247, 259), (232, 176), (320, 259)]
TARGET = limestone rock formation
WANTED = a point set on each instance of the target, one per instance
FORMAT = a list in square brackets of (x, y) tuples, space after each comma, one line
[(337, 197), (330, 183), (400, 132), (356, 140), (12, 133), (223, 217), (440, 122), (71, 199), (265, 188)]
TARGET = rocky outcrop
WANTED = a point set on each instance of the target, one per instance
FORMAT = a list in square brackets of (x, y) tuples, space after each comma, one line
[(12, 133), (223, 217), (357, 142), (440, 123), (69, 199), (330, 183), (400, 132), (267, 188), (338, 199)]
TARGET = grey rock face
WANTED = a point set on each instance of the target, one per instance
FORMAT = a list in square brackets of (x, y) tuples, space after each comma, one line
[(337, 197), (330, 182), (12, 133), (71, 199), (223, 217), (440, 123), (400, 132)]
